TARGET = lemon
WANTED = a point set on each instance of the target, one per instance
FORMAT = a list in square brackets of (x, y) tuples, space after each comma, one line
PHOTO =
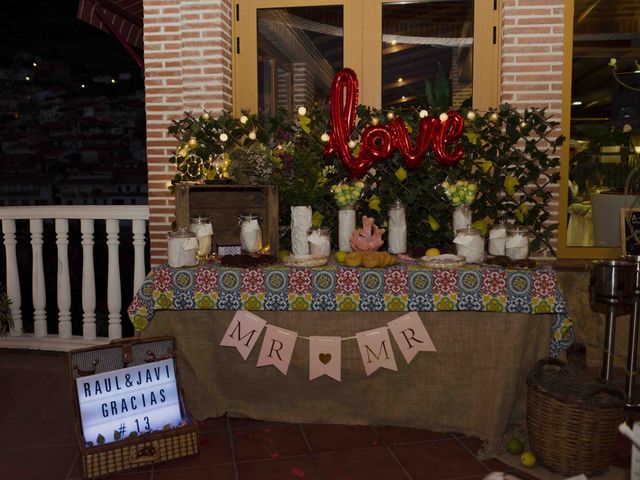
[(282, 254), (528, 459), (341, 256), (432, 252), (515, 446)]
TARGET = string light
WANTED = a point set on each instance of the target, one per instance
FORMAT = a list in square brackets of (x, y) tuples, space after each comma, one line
[(423, 113), (205, 117), (471, 115), (224, 137), (399, 79), (244, 119), (523, 125), (324, 137), (302, 111), (352, 143), (493, 117), (252, 135), (443, 117), (390, 115)]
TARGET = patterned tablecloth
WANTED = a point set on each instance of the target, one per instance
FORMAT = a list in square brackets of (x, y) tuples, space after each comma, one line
[(334, 288)]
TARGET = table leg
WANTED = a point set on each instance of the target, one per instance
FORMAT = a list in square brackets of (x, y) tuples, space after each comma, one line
[(609, 339), (632, 351)]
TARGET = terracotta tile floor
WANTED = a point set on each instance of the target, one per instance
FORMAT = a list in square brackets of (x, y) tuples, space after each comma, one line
[(37, 441)]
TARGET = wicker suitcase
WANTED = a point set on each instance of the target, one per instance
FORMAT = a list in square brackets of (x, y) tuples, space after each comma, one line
[(127, 447)]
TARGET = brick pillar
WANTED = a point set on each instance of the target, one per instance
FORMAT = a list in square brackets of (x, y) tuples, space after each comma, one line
[(187, 55), (532, 62)]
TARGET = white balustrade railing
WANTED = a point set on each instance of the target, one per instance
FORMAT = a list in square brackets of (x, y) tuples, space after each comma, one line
[(113, 215)]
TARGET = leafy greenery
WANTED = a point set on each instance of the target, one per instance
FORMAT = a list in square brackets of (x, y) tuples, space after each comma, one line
[(510, 155), (6, 320)]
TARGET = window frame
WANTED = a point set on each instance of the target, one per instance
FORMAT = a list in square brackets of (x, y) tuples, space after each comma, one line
[(565, 251), (362, 28)]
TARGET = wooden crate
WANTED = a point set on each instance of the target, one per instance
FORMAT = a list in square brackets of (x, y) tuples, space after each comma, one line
[(224, 204)]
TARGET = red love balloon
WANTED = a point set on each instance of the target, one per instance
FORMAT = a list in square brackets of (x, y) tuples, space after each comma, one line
[(379, 142)]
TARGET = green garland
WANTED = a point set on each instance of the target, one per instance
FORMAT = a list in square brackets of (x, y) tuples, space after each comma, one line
[(510, 155)]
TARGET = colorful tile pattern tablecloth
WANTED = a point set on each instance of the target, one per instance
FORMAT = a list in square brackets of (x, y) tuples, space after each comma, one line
[(335, 288)]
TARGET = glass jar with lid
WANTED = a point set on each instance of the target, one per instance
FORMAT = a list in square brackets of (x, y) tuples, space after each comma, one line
[(517, 244), (470, 244), (250, 232), (397, 236), (498, 238), (319, 241), (203, 229), (182, 248)]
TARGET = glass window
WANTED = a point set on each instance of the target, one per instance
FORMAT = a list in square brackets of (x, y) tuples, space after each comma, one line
[(420, 38), (605, 121), (299, 52)]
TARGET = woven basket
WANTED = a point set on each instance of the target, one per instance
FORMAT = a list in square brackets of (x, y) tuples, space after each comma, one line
[(572, 425)]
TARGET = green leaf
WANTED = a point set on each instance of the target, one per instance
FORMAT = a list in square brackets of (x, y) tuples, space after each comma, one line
[(117, 435), (100, 439)]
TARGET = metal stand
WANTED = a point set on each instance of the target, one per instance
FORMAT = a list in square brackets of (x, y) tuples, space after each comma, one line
[(632, 352), (609, 340)]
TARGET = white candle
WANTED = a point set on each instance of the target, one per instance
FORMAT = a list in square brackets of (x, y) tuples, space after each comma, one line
[(397, 238), (251, 236), (346, 226)]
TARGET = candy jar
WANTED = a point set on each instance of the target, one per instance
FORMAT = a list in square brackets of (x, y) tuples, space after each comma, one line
[(250, 233), (397, 236), (203, 229), (182, 247), (470, 244), (319, 242), (517, 244), (497, 238)]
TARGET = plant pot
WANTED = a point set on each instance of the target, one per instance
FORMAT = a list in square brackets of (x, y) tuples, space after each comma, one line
[(606, 216)]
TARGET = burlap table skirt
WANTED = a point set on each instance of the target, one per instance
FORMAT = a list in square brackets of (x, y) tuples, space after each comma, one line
[(474, 384)]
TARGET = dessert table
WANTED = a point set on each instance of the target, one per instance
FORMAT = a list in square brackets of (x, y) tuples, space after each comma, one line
[(488, 324)]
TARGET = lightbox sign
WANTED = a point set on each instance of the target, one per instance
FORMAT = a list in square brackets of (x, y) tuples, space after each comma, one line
[(136, 399)]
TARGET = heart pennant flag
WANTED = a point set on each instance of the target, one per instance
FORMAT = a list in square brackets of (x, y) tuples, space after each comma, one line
[(375, 350), (325, 357), (243, 332), (411, 335), (277, 348)]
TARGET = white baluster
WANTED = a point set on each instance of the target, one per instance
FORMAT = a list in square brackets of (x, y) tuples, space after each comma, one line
[(114, 301), (88, 281), (13, 280), (139, 228), (37, 279), (64, 283)]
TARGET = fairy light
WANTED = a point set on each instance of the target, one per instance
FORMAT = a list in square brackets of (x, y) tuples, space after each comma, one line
[(390, 115), (443, 117), (252, 135), (352, 143), (302, 111), (523, 125), (324, 137), (224, 137), (423, 113), (471, 115), (244, 119)]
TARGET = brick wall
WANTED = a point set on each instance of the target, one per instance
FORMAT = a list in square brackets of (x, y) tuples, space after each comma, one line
[(532, 60), (187, 67)]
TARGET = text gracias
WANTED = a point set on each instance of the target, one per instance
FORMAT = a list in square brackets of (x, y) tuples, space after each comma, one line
[(123, 405)]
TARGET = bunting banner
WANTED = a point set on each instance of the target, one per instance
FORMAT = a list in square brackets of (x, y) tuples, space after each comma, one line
[(277, 348), (375, 350), (325, 353), (411, 335), (325, 357), (243, 332)]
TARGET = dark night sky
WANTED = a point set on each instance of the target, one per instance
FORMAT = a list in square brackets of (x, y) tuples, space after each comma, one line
[(50, 29)]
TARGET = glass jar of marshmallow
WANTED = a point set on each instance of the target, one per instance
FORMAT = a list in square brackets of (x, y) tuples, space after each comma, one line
[(517, 243), (498, 238), (182, 248), (470, 244), (203, 229), (250, 233), (319, 242)]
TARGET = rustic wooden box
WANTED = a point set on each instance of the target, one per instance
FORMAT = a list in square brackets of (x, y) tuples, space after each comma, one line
[(130, 452), (224, 204)]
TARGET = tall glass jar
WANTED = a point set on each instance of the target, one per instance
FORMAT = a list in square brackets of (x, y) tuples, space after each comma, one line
[(250, 233), (498, 238), (300, 224), (182, 247), (203, 229), (461, 217), (397, 237), (470, 244), (517, 244), (319, 242), (346, 226)]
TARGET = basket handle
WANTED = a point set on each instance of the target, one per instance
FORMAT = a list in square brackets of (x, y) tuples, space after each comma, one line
[(543, 362), (144, 453)]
